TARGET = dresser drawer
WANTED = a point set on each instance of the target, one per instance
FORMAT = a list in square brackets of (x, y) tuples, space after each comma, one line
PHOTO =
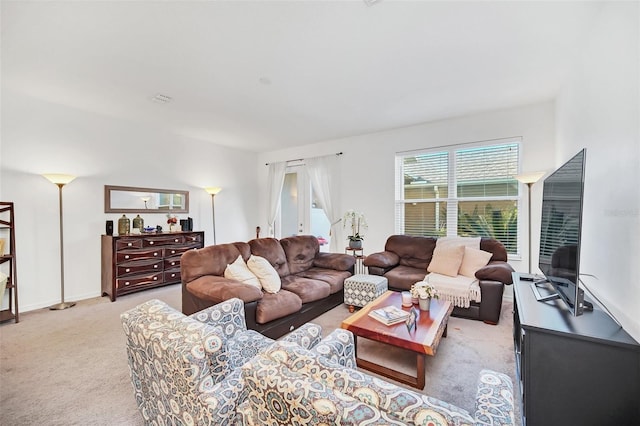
[(139, 280), (162, 241), (127, 255), (193, 238), (172, 263), (172, 276), (177, 251), (129, 268), (125, 243)]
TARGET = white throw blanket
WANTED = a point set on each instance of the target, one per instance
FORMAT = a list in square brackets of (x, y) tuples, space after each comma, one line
[(460, 290)]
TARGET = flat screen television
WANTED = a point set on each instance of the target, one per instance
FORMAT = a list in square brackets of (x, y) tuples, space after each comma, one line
[(560, 232)]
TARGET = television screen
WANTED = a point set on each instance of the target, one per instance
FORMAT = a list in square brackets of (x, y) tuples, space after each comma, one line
[(560, 230)]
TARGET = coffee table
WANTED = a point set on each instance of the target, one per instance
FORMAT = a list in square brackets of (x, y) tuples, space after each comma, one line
[(423, 340)]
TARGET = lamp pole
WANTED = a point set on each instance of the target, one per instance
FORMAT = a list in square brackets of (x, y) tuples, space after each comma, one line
[(213, 191), (61, 180), (529, 179)]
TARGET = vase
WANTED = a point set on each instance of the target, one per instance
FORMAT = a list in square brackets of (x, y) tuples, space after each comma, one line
[(355, 244), (425, 304), (124, 225), (415, 300)]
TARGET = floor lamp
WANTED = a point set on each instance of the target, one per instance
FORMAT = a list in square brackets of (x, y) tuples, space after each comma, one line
[(529, 179), (61, 180), (213, 191)]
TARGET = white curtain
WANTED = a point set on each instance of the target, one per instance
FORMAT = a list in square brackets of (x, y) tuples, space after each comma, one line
[(324, 175), (276, 179)]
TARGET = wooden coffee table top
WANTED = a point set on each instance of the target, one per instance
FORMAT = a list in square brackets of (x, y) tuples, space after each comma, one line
[(424, 339)]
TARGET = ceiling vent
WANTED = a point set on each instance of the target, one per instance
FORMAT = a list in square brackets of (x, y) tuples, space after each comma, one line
[(161, 99)]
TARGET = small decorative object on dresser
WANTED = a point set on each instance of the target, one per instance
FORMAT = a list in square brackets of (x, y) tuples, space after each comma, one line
[(138, 262)]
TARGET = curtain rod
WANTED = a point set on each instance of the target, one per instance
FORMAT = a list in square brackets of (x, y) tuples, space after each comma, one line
[(302, 159)]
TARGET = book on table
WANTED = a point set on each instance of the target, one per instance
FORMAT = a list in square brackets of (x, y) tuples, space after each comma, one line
[(389, 315)]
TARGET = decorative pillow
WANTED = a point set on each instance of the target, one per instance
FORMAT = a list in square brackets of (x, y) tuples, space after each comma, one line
[(268, 276), (473, 260), (239, 271), (446, 260)]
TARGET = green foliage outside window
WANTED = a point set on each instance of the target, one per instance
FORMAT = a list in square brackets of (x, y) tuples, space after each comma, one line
[(501, 225)]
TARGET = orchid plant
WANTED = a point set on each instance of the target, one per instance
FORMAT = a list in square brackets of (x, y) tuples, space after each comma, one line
[(358, 224)]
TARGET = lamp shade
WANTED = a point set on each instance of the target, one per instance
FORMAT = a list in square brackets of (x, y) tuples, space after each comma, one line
[(213, 190), (531, 177), (59, 179)]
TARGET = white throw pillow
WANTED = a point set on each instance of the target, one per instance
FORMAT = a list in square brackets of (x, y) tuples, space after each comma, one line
[(268, 276), (446, 260), (239, 271), (473, 260)]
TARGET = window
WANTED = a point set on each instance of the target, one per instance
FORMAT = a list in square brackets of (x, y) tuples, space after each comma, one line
[(466, 190)]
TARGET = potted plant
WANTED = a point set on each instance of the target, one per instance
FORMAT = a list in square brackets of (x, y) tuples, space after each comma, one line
[(358, 223), (424, 292)]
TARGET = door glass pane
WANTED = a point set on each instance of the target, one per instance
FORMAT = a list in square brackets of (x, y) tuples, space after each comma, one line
[(320, 225), (289, 205)]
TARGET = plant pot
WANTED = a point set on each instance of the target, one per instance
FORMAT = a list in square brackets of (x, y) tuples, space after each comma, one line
[(355, 244), (425, 304)]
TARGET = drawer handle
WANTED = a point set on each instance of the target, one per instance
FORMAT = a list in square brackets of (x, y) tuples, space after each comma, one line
[(155, 266), (155, 254), (173, 275), (130, 244), (127, 256), (173, 252), (150, 243), (127, 283), (176, 240), (127, 270), (173, 263), (155, 278)]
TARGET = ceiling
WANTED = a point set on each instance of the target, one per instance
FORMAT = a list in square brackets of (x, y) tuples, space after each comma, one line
[(267, 75)]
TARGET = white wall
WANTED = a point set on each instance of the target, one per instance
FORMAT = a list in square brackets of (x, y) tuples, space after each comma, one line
[(599, 109), (40, 137), (368, 163)]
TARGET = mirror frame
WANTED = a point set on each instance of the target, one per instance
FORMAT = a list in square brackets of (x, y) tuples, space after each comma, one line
[(109, 209)]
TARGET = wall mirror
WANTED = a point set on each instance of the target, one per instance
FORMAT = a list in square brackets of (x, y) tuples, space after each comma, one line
[(128, 199)]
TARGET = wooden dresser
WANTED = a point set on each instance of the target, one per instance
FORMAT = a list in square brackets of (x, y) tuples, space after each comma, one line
[(138, 262)]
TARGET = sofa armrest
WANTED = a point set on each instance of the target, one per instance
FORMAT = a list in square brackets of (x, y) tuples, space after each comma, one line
[(494, 399), (220, 402), (218, 289), (338, 347), (335, 261), (307, 336), (228, 316), (383, 259), (496, 271)]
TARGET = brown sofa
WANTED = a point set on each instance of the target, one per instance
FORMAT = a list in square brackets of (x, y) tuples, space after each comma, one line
[(312, 282), (405, 259)]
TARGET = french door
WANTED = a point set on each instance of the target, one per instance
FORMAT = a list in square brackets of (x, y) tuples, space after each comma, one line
[(300, 213)]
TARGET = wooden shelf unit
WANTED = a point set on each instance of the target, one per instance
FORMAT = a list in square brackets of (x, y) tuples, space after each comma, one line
[(8, 261)]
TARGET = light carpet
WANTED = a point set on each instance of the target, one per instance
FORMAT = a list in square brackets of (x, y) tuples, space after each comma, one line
[(70, 367)]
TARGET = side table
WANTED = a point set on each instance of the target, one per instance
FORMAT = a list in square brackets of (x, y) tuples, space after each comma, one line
[(358, 253)]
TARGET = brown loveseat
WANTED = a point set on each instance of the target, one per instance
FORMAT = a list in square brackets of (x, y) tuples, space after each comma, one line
[(406, 258), (312, 282)]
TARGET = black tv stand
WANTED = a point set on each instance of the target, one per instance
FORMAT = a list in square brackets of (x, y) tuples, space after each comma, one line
[(582, 370)]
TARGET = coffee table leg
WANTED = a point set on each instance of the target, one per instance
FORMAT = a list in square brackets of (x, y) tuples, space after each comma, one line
[(420, 373), (444, 334)]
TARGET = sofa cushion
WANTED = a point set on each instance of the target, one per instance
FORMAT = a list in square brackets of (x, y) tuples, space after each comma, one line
[(300, 251), (473, 260), (268, 276), (218, 289), (270, 249), (211, 260), (446, 260), (278, 305), (239, 271), (308, 290), (335, 261), (402, 277), (413, 251), (335, 278)]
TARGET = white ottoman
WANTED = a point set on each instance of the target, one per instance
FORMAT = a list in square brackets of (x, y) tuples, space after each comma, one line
[(361, 289)]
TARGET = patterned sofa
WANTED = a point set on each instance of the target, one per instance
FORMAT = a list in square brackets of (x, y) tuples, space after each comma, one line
[(287, 384), (185, 370)]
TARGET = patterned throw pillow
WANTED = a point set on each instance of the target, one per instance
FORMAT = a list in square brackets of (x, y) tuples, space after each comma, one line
[(239, 271), (268, 276), (473, 260)]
